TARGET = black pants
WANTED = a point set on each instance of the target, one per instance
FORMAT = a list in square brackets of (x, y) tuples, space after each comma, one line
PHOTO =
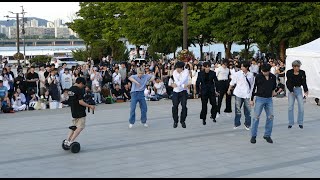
[(178, 98), (223, 89), (204, 100)]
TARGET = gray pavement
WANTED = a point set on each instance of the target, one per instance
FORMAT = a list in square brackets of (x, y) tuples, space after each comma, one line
[(31, 145)]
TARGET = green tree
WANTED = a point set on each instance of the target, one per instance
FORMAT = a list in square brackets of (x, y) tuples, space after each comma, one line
[(199, 24)]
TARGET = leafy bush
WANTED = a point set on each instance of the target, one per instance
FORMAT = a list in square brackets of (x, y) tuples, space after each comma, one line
[(41, 59)]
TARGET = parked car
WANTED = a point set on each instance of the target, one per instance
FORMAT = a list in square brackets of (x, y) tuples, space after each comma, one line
[(70, 61)]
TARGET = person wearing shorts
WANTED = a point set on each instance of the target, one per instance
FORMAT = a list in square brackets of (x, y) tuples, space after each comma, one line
[(78, 109)]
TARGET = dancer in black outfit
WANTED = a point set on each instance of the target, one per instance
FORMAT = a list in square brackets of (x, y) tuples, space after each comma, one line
[(205, 84)]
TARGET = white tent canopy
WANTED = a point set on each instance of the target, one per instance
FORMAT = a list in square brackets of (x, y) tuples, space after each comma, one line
[(309, 55)]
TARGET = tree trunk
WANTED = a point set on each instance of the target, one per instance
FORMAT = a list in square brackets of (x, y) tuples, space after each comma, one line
[(174, 55), (201, 51), (283, 50), (227, 49), (137, 49), (246, 50)]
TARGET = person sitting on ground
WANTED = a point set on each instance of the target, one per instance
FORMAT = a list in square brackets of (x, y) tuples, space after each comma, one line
[(117, 93), (149, 94), (160, 88), (22, 96), (5, 105), (46, 97), (65, 98), (126, 93), (88, 96), (33, 100), (17, 103)]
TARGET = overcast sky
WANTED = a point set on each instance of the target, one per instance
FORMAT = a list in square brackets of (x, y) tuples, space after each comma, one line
[(45, 10)]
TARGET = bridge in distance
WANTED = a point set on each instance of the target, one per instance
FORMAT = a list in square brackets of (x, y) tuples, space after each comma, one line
[(42, 42)]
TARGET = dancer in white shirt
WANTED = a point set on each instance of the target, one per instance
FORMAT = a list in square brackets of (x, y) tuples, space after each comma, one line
[(243, 91), (180, 95)]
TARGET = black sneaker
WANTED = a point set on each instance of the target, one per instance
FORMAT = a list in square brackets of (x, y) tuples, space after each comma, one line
[(204, 122), (301, 126), (289, 127), (175, 125), (183, 124), (253, 140), (268, 139)]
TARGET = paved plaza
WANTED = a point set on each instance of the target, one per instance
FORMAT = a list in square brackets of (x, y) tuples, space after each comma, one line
[(31, 145)]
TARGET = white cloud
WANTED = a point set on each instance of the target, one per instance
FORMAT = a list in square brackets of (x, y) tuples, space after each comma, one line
[(45, 10)]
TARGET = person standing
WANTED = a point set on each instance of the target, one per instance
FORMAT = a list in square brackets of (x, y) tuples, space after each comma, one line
[(32, 79), (137, 95), (244, 81), (66, 79), (180, 95), (295, 79), (265, 84), (42, 79), (254, 68), (206, 81), (223, 73), (78, 110)]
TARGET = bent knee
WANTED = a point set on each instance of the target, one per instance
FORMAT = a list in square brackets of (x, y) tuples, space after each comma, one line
[(271, 117)]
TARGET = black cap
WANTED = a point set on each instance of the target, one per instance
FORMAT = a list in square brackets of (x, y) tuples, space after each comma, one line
[(81, 80)]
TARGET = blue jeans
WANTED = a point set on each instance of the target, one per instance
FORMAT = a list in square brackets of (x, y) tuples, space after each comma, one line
[(138, 96), (260, 104), (238, 104), (291, 98)]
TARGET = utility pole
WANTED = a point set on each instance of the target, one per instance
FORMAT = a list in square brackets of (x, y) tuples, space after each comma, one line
[(185, 25), (18, 32), (24, 37)]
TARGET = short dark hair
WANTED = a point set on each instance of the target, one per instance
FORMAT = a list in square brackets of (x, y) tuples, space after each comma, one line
[(64, 64), (206, 64), (179, 64), (32, 67), (81, 80), (1, 81), (246, 64), (265, 67)]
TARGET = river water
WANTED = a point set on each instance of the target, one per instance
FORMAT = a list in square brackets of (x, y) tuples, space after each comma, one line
[(47, 50)]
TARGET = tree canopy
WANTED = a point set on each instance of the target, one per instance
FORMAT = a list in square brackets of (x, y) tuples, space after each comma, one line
[(274, 26)]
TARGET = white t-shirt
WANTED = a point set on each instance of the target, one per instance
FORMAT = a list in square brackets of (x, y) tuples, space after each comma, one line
[(222, 73), (273, 70), (161, 89)]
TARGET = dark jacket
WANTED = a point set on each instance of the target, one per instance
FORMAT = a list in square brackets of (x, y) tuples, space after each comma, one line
[(204, 88), (296, 80)]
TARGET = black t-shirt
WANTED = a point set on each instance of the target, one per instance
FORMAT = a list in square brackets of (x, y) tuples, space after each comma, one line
[(77, 110), (282, 69), (117, 93), (32, 76)]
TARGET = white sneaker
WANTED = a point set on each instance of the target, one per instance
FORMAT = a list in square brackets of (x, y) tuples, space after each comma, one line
[(235, 127), (145, 125), (247, 128), (66, 142), (130, 125), (217, 116), (69, 143)]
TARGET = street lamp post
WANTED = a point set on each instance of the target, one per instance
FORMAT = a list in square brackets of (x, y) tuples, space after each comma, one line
[(18, 31), (24, 37)]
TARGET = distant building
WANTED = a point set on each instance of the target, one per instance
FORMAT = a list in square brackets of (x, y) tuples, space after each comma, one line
[(3, 30), (62, 32), (50, 24), (57, 23), (34, 23)]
